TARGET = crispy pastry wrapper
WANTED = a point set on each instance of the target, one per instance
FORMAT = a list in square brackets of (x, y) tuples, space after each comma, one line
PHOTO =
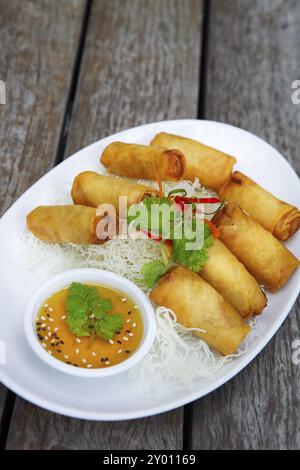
[(64, 224), (280, 218), (232, 280), (211, 166), (144, 162), (91, 189), (265, 257), (198, 305)]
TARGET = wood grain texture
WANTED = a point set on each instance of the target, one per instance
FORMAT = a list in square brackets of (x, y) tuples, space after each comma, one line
[(253, 57), (36, 63), (38, 46), (140, 64)]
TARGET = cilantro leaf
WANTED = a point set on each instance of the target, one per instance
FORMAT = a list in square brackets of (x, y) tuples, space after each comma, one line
[(108, 325), (192, 259), (152, 272), (77, 318), (86, 309)]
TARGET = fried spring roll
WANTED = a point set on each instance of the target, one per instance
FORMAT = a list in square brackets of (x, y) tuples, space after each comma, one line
[(91, 189), (280, 218), (211, 166), (231, 279), (198, 305), (265, 257), (143, 162), (64, 224)]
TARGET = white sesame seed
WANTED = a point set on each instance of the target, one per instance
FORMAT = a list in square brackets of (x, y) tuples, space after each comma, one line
[(48, 328), (53, 341), (43, 318), (124, 299), (51, 319), (134, 325), (56, 329), (125, 338), (130, 334), (63, 317), (120, 350), (77, 351), (43, 325), (46, 337), (111, 341), (94, 354), (66, 356), (46, 305), (78, 340), (107, 363), (49, 334), (50, 309), (49, 352), (128, 321), (44, 345), (84, 361), (136, 307), (89, 366)]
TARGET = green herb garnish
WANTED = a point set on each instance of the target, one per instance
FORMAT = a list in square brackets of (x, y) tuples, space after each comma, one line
[(152, 272), (88, 314), (192, 259)]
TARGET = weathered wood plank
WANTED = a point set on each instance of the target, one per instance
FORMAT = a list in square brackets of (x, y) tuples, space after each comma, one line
[(140, 64), (40, 39), (36, 63), (253, 58)]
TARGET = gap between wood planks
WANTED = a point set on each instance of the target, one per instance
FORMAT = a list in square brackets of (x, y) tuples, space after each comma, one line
[(10, 396), (188, 409)]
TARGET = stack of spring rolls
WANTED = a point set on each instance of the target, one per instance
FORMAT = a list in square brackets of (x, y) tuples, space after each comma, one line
[(248, 256)]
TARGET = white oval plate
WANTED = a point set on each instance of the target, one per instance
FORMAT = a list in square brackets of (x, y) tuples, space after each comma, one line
[(116, 398)]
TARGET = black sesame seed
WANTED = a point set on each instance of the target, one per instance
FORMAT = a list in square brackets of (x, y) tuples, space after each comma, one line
[(68, 362), (118, 341), (128, 352), (38, 322), (58, 350), (128, 331), (48, 315), (40, 337), (62, 342), (44, 329), (118, 332), (129, 312)]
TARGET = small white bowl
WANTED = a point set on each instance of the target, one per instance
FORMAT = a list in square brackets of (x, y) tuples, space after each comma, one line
[(91, 276)]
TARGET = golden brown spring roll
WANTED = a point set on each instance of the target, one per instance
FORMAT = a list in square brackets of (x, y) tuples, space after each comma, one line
[(91, 189), (143, 162), (266, 258), (231, 279), (280, 218), (198, 305), (211, 166), (64, 224)]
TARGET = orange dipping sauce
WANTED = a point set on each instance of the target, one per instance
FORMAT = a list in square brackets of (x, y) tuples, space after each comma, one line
[(89, 352)]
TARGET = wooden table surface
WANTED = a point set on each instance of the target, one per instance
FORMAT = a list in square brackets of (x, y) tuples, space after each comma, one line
[(79, 70)]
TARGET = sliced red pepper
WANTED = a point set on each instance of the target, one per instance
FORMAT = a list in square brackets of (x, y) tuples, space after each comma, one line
[(196, 200), (151, 236)]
